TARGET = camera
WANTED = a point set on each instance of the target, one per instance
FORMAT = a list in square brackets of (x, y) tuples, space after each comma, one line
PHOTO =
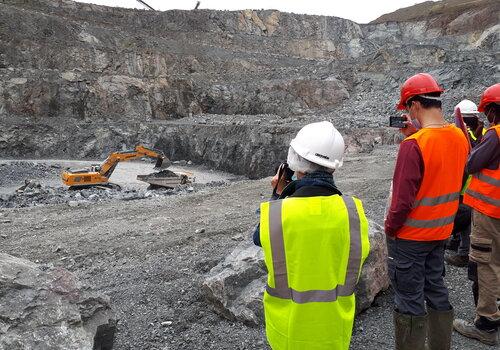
[(397, 122), (284, 171), (283, 177)]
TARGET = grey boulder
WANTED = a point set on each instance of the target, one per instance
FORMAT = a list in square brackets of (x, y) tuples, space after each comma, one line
[(44, 308), (235, 286)]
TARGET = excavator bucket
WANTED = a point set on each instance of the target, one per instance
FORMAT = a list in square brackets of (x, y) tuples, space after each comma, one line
[(162, 163), (159, 162)]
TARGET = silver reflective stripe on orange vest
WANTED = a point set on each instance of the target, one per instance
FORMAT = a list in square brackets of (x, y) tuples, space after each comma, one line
[(430, 223), (488, 179), (483, 198), (282, 289), (430, 201)]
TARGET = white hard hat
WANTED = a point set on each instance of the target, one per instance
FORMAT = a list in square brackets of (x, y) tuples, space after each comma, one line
[(467, 107), (320, 143)]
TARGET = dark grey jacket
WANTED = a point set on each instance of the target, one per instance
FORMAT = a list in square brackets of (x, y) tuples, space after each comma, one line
[(313, 185)]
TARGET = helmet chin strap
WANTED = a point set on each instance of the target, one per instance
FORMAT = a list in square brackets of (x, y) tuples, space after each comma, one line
[(494, 122), (435, 98)]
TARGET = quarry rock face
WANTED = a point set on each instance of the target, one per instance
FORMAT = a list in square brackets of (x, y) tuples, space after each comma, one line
[(235, 286), (80, 80), (248, 145), (43, 308)]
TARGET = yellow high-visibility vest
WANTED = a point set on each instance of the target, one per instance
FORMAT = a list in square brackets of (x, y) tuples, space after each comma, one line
[(466, 185), (472, 136), (469, 178), (314, 249)]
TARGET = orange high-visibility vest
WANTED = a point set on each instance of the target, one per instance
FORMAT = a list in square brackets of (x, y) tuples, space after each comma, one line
[(444, 153), (483, 193)]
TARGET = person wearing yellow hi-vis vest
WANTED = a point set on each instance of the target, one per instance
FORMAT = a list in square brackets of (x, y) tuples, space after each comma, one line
[(483, 196), (470, 114), (315, 242)]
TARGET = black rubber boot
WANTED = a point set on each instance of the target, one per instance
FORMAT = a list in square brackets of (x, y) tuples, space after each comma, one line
[(439, 329), (452, 243), (410, 331)]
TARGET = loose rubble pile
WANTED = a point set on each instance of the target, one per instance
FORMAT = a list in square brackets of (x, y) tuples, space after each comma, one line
[(11, 172), (35, 194), (45, 308), (163, 173)]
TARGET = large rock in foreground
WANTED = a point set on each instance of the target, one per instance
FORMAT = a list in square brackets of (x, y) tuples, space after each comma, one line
[(235, 286), (45, 309)]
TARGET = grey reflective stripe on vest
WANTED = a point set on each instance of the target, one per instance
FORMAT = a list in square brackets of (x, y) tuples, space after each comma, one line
[(433, 223), (430, 201), (282, 289), (278, 245), (354, 264), (488, 179), (483, 198)]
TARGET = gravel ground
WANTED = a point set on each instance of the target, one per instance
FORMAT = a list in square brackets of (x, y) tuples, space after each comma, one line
[(374, 329), (146, 255)]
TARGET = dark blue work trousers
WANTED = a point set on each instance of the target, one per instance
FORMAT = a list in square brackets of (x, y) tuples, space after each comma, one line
[(416, 270)]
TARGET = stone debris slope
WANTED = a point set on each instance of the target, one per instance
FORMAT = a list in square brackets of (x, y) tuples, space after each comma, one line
[(453, 16)]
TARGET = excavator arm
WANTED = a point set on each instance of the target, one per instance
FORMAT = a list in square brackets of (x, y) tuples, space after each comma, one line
[(149, 152), (140, 151)]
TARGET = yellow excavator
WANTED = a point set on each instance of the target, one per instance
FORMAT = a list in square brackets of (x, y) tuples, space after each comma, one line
[(99, 175)]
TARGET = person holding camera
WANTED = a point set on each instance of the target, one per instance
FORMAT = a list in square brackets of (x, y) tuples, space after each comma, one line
[(315, 242), (426, 188)]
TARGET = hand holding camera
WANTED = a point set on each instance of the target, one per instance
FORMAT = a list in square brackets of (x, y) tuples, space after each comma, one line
[(282, 178), (405, 124)]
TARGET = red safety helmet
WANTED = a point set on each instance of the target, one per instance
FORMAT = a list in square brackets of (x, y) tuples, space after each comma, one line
[(490, 95), (419, 84)]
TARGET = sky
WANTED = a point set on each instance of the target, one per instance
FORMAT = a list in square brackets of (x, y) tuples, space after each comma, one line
[(361, 11)]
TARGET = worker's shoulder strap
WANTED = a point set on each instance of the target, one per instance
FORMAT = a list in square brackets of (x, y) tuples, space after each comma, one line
[(495, 128), (281, 289), (471, 134)]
